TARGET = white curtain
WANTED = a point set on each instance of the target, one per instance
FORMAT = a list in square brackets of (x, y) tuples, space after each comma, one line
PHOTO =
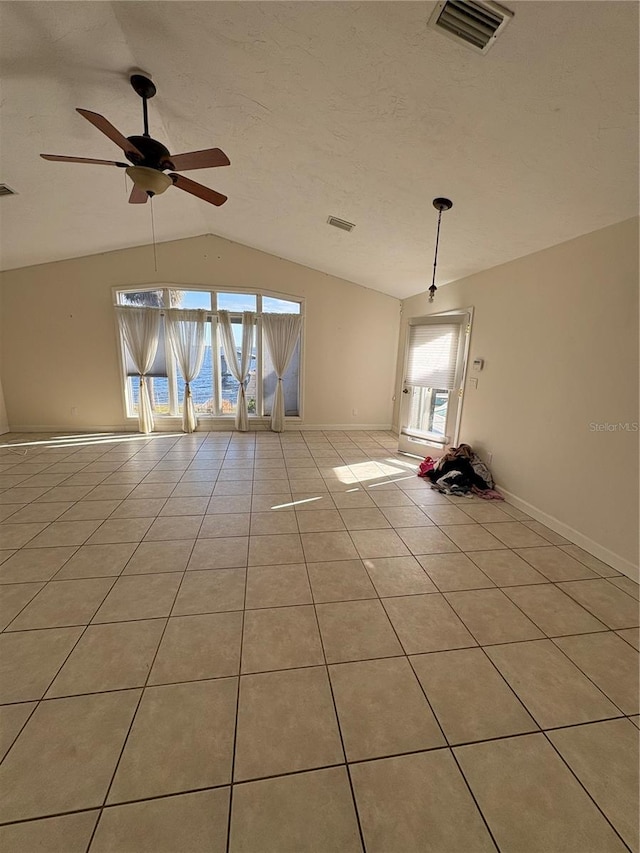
[(140, 329), (186, 331), (239, 370), (281, 332)]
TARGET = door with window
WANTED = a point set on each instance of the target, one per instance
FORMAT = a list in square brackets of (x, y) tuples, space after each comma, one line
[(433, 382)]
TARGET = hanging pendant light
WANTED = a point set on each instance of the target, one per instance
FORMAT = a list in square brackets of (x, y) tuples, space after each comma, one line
[(440, 204)]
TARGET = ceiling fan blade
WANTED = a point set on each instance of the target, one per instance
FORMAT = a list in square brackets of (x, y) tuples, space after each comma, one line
[(198, 190), (109, 130), (199, 159), (61, 159), (138, 196)]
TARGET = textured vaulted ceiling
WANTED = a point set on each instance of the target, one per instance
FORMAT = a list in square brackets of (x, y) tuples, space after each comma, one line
[(351, 109)]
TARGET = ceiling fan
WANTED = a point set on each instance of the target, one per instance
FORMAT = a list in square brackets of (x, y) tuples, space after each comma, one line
[(149, 158)]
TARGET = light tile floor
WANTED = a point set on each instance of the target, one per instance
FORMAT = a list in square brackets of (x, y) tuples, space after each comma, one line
[(280, 644)]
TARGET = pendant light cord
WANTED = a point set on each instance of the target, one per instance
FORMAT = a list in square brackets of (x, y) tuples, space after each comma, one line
[(440, 204), (435, 257)]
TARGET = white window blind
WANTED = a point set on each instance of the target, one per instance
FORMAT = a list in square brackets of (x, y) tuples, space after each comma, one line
[(159, 366), (433, 351)]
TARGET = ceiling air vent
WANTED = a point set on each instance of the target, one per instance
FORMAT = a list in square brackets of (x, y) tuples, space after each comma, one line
[(5, 190), (475, 24), (341, 223)]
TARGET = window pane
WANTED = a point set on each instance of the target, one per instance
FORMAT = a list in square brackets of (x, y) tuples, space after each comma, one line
[(190, 299), (279, 306), (428, 411), (145, 298), (158, 392), (237, 301), (134, 384), (290, 383), (439, 416), (228, 384), (202, 385)]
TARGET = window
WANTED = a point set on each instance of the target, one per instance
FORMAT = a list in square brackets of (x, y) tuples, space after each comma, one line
[(158, 381), (279, 306), (215, 390), (291, 378), (228, 384), (237, 302)]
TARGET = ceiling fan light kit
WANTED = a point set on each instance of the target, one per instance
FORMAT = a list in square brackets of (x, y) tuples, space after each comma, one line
[(149, 180), (150, 159)]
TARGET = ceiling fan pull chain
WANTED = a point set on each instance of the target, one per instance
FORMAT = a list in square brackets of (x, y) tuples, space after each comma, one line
[(153, 236)]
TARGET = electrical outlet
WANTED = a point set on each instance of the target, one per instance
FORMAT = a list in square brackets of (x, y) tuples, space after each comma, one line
[(354, 412), (489, 457), (74, 411)]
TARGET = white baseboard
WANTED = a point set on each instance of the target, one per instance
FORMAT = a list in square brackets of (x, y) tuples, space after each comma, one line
[(342, 427), (609, 557)]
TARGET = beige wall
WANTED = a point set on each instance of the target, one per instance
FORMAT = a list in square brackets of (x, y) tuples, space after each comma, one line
[(4, 421), (59, 339), (558, 331)]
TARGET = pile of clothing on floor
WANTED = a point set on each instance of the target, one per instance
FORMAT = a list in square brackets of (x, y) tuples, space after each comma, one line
[(460, 472)]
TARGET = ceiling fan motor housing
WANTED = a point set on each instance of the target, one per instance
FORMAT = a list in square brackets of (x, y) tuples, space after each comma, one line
[(155, 155)]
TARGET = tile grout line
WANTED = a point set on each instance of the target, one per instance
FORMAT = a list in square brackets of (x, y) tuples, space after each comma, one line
[(237, 710), (579, 668), (584, 788), (610, 580), (616, 716), (473, 797)]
